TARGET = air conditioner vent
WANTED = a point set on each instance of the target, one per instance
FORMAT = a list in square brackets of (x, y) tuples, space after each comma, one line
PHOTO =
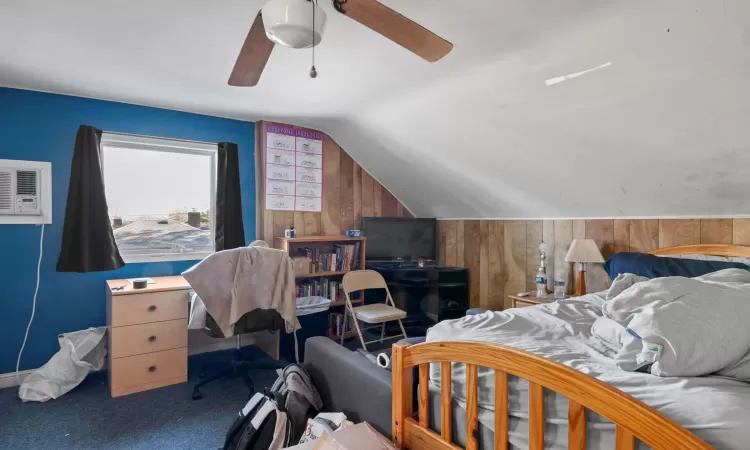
[(26, 182), (6, 196), (25, 190)]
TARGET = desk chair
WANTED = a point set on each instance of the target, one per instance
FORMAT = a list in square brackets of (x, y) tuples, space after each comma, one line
[(377, 313), (238, 367)]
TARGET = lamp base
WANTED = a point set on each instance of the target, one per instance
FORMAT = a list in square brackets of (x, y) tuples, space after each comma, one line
[(581, 283)]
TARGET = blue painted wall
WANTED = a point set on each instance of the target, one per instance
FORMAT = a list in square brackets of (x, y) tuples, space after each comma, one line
[(42, 127)]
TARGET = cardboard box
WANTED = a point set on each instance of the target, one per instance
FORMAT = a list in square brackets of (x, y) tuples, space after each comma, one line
[(301, 265)]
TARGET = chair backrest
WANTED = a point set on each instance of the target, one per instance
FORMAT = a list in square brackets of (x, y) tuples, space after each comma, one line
[(358, 280)]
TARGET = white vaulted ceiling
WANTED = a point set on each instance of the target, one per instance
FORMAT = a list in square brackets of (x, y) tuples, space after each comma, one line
[(663, 131)]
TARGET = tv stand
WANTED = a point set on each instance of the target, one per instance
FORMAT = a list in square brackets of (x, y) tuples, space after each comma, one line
[(428, 294), (401, 264)]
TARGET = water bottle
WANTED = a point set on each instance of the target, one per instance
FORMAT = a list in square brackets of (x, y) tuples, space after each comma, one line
[(559, 286), (541, 283)]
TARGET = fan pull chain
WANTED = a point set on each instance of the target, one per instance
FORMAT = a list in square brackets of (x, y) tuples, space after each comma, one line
[(313, 72)]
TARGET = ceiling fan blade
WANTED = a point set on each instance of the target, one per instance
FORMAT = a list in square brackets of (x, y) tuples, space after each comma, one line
[(394, 26), (253, 56)]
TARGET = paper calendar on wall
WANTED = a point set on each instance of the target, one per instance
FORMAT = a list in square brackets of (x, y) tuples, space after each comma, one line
[(294, 169)]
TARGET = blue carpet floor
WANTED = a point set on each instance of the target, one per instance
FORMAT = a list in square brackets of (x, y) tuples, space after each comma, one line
[(165, 418)]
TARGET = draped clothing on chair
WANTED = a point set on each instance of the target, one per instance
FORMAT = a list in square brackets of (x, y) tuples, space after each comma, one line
[(234, 282)]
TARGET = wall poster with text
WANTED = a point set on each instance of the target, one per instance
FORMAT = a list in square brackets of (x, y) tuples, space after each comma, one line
[(294, 169)]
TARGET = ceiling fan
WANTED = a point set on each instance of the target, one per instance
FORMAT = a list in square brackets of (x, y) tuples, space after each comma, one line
[(300, 24)]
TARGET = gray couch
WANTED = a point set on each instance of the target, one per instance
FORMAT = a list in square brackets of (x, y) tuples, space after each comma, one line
[(350, 383)]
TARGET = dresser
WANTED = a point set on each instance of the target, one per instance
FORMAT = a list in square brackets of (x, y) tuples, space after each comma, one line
[(148, 337)]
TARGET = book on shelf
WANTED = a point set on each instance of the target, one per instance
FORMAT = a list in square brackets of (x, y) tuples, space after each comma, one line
[(345, 257), (336, 325), (321, 287)]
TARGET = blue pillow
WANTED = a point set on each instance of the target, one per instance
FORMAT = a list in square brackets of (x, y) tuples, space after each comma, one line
[(652, 266)]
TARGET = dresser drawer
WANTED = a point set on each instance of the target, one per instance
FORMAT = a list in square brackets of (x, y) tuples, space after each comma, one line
[(133, 309), (523, 304), (142, 372), (148, 337)]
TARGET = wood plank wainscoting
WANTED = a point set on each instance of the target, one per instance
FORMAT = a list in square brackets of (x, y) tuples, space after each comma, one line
[(503, 257), (349, 193)]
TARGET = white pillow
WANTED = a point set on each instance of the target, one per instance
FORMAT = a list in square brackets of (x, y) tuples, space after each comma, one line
[(739, 370)]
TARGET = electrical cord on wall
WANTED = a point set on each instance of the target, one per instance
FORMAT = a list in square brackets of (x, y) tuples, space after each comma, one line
[(33, 303)]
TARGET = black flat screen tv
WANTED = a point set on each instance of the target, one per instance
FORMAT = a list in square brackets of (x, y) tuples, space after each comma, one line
[(390, 238)]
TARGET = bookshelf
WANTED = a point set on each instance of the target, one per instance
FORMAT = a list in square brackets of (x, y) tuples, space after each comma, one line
[(293, 246), (323, 274)]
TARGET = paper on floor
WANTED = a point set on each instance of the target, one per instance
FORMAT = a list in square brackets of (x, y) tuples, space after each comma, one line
[(357, 437)]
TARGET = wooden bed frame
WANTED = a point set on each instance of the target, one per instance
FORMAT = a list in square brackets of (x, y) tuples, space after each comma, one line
[(633, 418)]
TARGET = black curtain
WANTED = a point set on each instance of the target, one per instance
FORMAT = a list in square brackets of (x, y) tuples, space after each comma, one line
[(88, 244), (230, 232)]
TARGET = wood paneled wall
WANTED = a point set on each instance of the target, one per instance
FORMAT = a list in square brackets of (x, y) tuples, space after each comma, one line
[(503, 255), (349, 193)]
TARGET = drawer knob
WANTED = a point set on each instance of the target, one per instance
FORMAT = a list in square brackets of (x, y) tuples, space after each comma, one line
[(152, 369), (152, 338), (152, 308)]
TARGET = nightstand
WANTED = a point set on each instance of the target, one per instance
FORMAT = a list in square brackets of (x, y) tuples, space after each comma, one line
[(530, 300), (147, 334)]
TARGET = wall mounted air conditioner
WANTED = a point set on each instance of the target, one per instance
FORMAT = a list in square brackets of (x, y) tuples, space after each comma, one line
[(24, 191)]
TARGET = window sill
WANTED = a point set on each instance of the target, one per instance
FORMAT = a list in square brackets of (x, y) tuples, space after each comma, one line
[(164, 257)]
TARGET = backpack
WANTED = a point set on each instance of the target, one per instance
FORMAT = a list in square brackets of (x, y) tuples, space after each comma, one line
[(278, 418)]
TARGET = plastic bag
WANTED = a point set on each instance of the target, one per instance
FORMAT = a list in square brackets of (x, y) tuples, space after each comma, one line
[(80, 353), (312, 305)]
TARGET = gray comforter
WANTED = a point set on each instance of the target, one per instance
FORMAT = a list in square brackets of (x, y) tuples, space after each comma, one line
[(715, 408), (677, 326)]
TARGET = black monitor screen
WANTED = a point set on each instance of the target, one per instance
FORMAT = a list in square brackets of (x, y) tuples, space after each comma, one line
[(392, 238)]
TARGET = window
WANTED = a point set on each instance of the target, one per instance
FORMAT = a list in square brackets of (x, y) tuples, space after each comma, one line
[(160, 195)]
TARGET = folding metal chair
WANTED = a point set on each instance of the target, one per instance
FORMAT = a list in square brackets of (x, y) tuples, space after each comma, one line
[(377, 313)]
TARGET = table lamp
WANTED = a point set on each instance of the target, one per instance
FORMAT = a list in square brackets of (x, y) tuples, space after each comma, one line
[(583, 251)]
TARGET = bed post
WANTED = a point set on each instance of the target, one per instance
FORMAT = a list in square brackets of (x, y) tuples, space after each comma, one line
[(402, 394)]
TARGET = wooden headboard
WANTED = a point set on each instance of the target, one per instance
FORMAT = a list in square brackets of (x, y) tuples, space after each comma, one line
[(739, 251)]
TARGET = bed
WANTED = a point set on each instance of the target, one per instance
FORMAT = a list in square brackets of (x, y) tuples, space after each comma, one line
[(552, 391)]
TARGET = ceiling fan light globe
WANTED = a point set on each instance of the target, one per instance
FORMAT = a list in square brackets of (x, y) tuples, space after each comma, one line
[(290, 23), (294, 37)]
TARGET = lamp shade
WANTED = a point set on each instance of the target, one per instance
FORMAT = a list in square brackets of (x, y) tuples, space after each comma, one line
[(290, 22), (584, 251)]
